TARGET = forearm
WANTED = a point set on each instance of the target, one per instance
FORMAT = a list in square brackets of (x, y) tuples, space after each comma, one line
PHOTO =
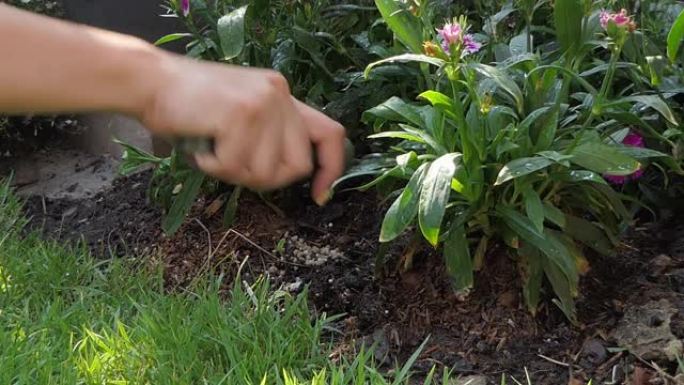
[(54, 66)]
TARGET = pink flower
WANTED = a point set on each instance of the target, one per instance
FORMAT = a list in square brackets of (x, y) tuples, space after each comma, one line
[(185, 7), (621, 20), (453, 36), (470, 45), (631, 140)]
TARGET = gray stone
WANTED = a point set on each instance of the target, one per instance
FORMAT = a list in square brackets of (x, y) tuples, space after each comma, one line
[(645, 331)]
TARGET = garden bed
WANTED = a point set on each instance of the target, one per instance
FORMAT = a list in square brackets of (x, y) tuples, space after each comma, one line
[(490, 332)]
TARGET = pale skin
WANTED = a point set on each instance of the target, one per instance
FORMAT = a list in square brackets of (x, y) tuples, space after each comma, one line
[(264, 138)]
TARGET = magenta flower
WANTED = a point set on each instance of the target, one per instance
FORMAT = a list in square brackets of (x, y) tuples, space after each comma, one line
[(185, 7), (453, 36), (470, 45), (621, 20), (631, 140)]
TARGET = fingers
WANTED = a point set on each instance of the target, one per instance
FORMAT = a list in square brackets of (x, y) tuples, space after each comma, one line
[(327, 137)]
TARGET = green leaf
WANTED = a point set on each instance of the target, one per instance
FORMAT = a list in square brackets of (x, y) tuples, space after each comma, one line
[(520, 167), (532, 273), (426, 137), (640, 153), (231, 31), (458, 261), (133, 158), (406, 26), (395, 109), (440, 101), (653, 101), (589, 234), (567, 15), (171, 37), (436, 189), (231, 207), (404, 209), (371, 165), (550, 246), (183, 202), (675, 37), (563, 287), (603, 159), (397, 135), (502, 80), (576, 176), (533, 207), (405, 58), (555, 215)]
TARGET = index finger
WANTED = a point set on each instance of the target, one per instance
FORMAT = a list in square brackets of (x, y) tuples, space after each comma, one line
[(327, 136)]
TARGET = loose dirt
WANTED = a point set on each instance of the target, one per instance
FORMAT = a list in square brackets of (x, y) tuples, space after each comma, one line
[(488, 333)]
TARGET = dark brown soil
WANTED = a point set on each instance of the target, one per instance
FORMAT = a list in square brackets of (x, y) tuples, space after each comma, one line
[(489, 332), (114, 223)]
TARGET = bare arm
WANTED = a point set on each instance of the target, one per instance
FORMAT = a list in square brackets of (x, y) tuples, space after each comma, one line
[(263, 136)]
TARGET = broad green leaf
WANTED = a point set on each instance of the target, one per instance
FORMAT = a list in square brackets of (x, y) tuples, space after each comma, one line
[(439, 101), (603, 159), (426, 137), (640, 153), (397, 135), (404, 209), (576, 176), (457, 257), (231, 207), (567, 16), (675, 37), (555, 215), (518, 44), (231, 31), (544, 131), (183, 202), (652, 101), (532, 274), (434, 196), (588, 234), (532, 118), (502, 80), (533, 207), (171, 37), (520, 167), (556, 156), (563, 287), (405, 58), (550, 246), (396, 110), (404, 24)]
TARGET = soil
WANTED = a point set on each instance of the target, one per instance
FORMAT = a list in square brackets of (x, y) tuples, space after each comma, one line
[(489, 332)]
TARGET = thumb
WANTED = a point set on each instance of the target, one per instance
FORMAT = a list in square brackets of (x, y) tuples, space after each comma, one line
[(328, 139)]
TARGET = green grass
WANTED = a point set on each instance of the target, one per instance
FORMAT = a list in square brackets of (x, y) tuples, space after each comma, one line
[(66, 318)]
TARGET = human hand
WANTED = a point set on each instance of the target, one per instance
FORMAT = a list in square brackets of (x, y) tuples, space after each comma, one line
[(263, 137)]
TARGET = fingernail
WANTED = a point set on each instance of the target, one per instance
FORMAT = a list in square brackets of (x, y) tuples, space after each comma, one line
[(323, 198)]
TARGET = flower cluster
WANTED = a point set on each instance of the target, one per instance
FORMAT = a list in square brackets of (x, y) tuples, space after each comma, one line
[(454, 39), (185, 7), (621, 20), (631, 140)]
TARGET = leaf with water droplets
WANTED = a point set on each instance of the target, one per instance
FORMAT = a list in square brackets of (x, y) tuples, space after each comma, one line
[(603, 159), (436, 189), (520, 167)]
